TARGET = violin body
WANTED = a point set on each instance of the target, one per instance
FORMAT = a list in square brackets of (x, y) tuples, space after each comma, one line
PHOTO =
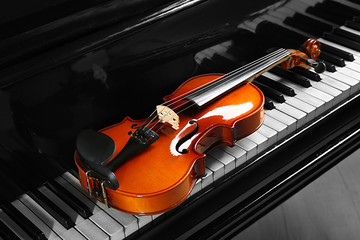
[(161, 176)]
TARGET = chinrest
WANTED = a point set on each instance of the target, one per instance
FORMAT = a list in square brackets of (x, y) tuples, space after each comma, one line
[(94, 147)]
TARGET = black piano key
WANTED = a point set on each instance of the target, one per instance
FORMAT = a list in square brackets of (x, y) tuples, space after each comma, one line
[(279, 35), (269, 104), (342, 41), (6, 233), (276, 85), (338, 52), (23, 222), (353, 25), (321, 13), (68, 198), (51, 208), (291, 76), (225, 62), (356, 19), (330, 67), (306, 73), (337, 9), (340, 8), (332, 58), (208, 66), (302, 22), (270, 92), (346, 34), (303, 27), (269, 28)]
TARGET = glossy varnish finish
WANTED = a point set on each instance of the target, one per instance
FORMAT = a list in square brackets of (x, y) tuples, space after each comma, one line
[(160, 177)]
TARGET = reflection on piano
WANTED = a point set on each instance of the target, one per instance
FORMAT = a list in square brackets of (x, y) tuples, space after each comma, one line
[(65, 81)]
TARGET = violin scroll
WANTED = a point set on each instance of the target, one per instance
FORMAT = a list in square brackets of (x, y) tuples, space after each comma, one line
[(306, 57), (312, 48)]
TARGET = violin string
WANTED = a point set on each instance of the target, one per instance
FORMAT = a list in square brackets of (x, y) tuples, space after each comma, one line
[(230, 75), (234, 73), (278, 54), (250, 74)]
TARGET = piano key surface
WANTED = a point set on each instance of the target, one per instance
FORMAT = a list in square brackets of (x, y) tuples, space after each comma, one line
[(296, 112)]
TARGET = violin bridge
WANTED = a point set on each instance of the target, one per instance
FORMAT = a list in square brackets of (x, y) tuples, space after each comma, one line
[(167, 115)]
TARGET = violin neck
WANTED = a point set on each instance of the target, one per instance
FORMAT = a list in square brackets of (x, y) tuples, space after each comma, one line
[(233, 79)]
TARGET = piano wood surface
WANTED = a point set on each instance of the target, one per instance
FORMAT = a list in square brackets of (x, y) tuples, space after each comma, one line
[(47, 104)]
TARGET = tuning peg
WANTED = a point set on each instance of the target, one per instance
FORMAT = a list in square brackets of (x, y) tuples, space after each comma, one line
[(318, 66)]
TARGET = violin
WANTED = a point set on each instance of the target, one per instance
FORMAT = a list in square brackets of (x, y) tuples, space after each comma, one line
[(151, 165)]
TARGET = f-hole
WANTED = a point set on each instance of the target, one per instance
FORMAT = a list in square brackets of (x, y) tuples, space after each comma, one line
[(133, 126), (187, 137)]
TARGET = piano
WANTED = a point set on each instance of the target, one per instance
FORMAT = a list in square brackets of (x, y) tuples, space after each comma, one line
[(67, 66)]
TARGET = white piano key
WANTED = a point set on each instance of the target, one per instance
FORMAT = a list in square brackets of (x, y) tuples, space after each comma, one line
[(215, 166), (143, 220), (79, 193), (317, 103), (128, 221), (208, 179), (99, 217), (328, 99), (344, 88), (13, 226), (354, 52), (74, 216), (260, 140), (290, 122), (48, 219), (56, 238), (156, 216), (249, 146), (42, 214), (102, 219), (344, 79), (270, 133), (302, 95), (91, 231), (95, 232), (303, 106), (353, 74), (237, 152), (276, 125), (329, 90), (300, 116), (108, 225), (350, 30), (197, 187), (48, 233), (72, 234), (354, 66), (224, 157)]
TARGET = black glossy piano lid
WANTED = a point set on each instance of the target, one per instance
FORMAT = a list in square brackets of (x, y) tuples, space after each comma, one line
[(57, 31), (53, 86), (19, 16)]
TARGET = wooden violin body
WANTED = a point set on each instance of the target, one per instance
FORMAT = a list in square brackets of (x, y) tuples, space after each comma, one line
[(163, 175), (150, 166)]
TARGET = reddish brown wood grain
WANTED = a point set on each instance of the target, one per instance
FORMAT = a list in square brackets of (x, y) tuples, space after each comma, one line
[(160, 178)]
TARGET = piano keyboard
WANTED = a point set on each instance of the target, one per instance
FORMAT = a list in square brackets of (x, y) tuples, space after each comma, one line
[(291, 106)]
